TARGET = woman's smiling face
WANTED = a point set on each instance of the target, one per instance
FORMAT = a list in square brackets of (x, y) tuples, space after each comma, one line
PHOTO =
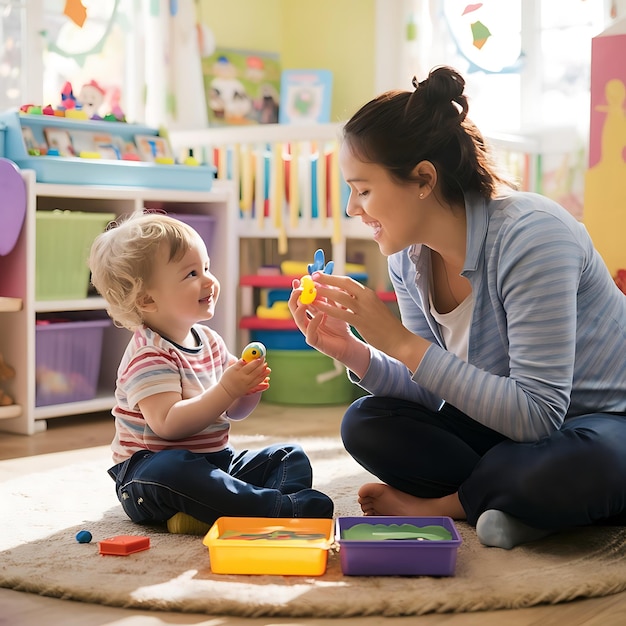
[(394, 211)]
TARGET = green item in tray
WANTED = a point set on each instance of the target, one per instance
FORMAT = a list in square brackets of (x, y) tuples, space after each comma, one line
[(380, 532)]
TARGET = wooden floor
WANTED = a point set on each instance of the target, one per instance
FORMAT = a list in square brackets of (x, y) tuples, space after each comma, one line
[(20, 609)]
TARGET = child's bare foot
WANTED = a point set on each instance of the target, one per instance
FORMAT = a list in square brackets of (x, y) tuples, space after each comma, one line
[(382, 499)]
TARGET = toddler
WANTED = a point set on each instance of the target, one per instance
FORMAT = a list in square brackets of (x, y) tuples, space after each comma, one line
[(178, 387)]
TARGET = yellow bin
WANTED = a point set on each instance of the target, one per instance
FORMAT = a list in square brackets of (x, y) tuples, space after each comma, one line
[(269, 545)]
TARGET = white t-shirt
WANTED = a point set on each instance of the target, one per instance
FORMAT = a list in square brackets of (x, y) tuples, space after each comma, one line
[(455, 325)]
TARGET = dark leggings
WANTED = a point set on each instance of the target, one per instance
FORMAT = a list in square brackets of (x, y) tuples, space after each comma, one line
[(574, 477)]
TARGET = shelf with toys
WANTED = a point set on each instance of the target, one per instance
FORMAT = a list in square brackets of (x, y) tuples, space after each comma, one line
[(49, 312), (65, 150)]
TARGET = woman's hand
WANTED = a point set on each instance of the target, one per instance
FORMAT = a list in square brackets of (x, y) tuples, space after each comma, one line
[(347, 301), (326, 334)]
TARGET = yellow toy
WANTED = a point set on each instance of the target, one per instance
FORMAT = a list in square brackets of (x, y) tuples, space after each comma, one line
[(309, 292), (254, 350)]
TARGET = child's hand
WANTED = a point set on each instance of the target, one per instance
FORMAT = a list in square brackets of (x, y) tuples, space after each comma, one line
[(264, 386), (241, 378)]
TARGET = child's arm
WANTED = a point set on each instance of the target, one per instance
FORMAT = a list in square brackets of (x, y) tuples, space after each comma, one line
[(171, 417), (241, 408)]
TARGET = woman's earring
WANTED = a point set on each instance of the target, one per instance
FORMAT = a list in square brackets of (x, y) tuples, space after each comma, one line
[(421, 196)]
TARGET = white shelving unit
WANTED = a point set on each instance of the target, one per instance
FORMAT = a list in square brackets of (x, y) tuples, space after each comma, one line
[(17, 282)]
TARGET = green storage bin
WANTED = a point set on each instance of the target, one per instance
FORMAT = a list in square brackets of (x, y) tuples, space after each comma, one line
[(63, 240), (306, 377)]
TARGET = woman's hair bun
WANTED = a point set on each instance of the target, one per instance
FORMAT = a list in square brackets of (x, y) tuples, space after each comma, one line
[(443, 85)]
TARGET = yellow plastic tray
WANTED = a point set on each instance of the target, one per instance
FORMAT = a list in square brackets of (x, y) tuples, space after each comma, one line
[(268, 545)]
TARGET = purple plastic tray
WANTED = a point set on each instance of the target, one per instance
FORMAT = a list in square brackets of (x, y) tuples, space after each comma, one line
[(405, 557)]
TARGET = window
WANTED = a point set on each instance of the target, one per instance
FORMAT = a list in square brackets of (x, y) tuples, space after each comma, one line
[(12, 79), (526, 62), (41, 49), (527, 69), (143, 56), (94, 51)]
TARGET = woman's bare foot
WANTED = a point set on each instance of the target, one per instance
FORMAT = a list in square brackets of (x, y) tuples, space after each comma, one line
[(381, 499)]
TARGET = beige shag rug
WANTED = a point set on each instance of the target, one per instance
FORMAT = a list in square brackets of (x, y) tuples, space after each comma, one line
[(40, 514)]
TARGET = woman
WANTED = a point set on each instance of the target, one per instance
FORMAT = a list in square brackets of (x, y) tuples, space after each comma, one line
[(500, 396)]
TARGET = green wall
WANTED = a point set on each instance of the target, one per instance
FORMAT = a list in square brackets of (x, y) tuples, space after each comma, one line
[(337, 35)]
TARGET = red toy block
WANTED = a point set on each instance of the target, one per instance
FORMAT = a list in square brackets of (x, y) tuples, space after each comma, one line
[(123, 545)]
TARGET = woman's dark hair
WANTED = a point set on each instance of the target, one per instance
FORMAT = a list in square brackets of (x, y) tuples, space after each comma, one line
[(398, 129)]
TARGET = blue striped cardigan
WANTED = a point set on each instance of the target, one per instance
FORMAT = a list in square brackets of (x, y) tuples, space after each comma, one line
[(548, 332)]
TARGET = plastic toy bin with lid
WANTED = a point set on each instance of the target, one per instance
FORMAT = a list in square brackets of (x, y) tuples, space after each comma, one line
[(306, 377), (401, 556), (63, 242), (67, 360), (266, 545)]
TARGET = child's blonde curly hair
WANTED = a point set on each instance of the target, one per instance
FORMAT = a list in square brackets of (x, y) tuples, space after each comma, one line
[(122, 260)]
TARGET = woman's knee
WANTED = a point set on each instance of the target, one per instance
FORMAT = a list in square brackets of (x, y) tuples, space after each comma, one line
[(360, 425)]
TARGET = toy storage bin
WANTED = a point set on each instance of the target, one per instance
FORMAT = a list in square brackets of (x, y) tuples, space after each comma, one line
[(397, 557), (204, 225), (306, 377), (269, 545), (62, 244), (280, 339), (67, 359)]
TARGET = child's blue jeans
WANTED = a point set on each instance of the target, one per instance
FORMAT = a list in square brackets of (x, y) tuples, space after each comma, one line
[(272, 482)]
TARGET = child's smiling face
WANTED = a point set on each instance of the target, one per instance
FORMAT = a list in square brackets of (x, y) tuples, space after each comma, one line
[(181, 291)]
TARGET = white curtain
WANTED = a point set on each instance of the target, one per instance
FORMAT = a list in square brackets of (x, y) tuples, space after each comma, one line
[(174, 87)]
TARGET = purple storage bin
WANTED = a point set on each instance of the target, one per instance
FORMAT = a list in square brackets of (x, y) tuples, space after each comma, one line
[(398, 557), (67, 357), (204, 225)]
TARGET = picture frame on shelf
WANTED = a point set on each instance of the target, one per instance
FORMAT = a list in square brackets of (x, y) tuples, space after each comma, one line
[(29, 140), (95, 142), (111, 148), (59, 139), (152, 147)]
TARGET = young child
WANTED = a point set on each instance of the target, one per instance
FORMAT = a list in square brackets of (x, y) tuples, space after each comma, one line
[(178, 387)]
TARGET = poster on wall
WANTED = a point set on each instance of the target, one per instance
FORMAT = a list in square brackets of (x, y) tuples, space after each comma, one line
[(605, 197), (242, 87), (305, 96)]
